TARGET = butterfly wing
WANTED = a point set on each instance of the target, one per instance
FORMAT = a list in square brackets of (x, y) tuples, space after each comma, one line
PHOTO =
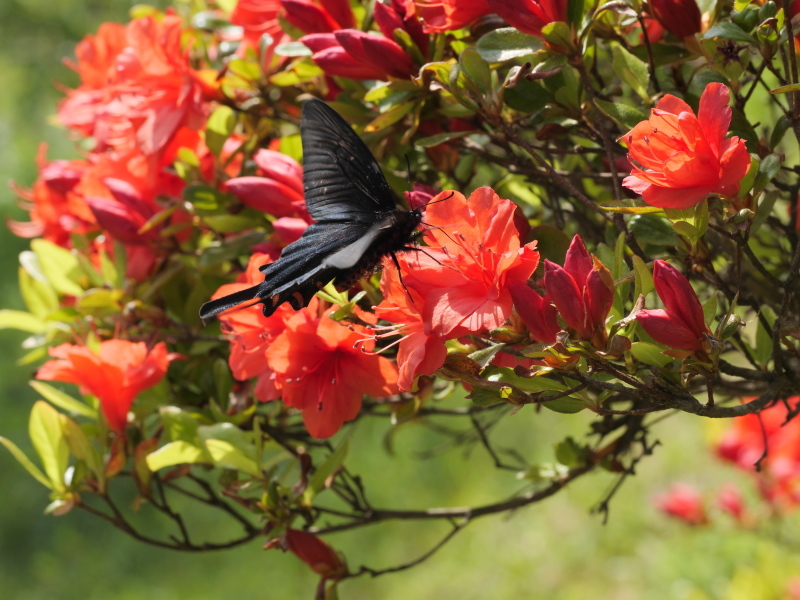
[(342, 180), (302, 269)]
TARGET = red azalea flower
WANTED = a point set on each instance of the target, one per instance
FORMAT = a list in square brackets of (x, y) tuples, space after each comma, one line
[(582, 291), (257, 18), (478, 247), (357, 55), (685, 503), (323, 374), (744, 445), (681, 18), (319, 16), (420, 351), (680, 159), (681, 325), (529, 16), (56, 209), (116, 374), (438, 16), (137, 88), (730, 501), (251, 333)]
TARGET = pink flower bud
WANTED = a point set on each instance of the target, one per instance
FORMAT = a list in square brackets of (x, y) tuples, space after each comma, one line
[(267, 195)]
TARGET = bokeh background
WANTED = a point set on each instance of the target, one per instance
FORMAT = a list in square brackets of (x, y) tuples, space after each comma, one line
[(558, 549)]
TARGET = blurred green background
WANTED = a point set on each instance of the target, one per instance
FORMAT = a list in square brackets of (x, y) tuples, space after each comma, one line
[(558, 549)]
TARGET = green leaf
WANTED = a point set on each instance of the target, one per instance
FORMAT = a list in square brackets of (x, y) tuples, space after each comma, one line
[(527, 96), (649, 354), (229, 456), (26, 463), (22, 321), (331, 464), (48, 439), (390, 117), (627, 117), (293, 49), (632, 70), (59, 266), (81, 447), (650, 229), (729, 31), (485, 355), (781, 127), (710, 308), (785, 89), (40, 297), (63, 401), (643, 278), (506, 44), (763, 350), (219, 127), (179, 425), (441, 138), (176, 453), (768, 168), (557, 33)]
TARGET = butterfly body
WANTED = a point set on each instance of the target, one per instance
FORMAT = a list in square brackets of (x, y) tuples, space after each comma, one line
[(357, 219)]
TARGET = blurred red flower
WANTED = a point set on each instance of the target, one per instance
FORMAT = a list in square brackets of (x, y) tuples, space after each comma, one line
[(679, 158), (137, 88), (438, 16), (319, 16), (685, 503), (767, 437), (681, 18), (681, 325), (582, 291), (322, 373), (529, 16), (115, 375)]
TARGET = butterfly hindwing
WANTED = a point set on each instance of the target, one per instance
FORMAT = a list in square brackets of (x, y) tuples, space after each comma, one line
[(342, 179)]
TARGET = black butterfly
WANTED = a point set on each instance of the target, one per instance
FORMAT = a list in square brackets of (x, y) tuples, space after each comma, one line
[(357, 219)]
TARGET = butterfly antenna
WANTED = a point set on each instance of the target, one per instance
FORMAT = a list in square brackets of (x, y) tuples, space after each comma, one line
[(408, 171), (440, 199), (442, 229)]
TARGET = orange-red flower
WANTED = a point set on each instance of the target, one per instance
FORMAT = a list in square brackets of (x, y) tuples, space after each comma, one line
[(479, 250), (420, 351), (681, 325), (768, 438), (438, 16), (137, 88), (251, 333), (116, 374), (322, 372), (684, 502), (679, 158)]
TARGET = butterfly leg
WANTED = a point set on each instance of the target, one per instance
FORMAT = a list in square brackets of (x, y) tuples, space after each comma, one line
[(400, 273)]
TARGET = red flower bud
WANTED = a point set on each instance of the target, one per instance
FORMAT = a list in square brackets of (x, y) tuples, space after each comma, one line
[(377, 51), (283, 169), (680, 17), (529, 16), (308, 17), (120, 221), (538, 314), (267, 195)]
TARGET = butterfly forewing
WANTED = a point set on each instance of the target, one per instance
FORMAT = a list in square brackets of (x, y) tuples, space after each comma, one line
[(342, 180)]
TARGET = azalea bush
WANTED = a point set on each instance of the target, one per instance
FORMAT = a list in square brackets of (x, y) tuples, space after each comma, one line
[(609, 200)]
